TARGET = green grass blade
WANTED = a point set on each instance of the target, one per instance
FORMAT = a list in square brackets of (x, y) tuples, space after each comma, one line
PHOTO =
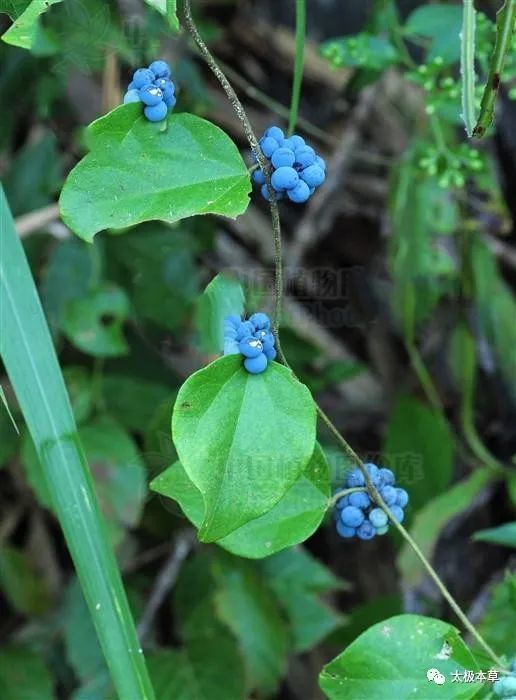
[(505, 23), (298, 64), (29, 357), (467, 65)]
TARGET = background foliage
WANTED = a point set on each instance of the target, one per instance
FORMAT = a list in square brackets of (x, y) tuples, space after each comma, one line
[(399, 317)]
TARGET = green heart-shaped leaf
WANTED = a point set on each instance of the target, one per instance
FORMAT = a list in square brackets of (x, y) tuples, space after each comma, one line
[(242, 439), (391, 660), (292, 520), (138, 171)]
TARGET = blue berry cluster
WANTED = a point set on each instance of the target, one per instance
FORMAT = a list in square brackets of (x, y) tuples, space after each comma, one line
[(154, 88), (357, 515), (505, 687), (252, 339), (297, 170)]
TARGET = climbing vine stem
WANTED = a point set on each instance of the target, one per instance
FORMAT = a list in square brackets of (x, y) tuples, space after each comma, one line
[(189, 24)]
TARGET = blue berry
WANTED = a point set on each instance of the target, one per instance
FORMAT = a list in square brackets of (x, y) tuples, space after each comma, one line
[(231, 347), (297, 141), (268, 146), (389, 495), (245, 328), (233, 319), (505, 687), (170, 101), (268, 341), (265, 193), (250, 347), (382, 530), (270, 354), (260, 321), (345, 531), (131, 86), (320, 162), (230, 331), (284, 178), (131, 96), (156, 113), (355, 478), (283, 156), (374, 473), (359, 500), (351, 516), (256, 365), (258, 177), (342, 502), (165, 85), (300, 193), (313, 175), (289, 143), (366, 531), (378, 518), (398, 513), (387, 476), (151, 95), (276, 133), (305, 156), (142, 77), (402, 498), (160, 69)]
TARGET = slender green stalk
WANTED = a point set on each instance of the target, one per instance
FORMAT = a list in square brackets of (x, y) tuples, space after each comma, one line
[(469, 370), (31, 363), (298, 65), (505, 23), (467, 65), (189, 24)]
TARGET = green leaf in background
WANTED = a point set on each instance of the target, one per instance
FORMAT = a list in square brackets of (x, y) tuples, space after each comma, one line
[(133, 401), (79, 383), (34, 176), (496, 311), (421, 272), (159, 262), (168, 8), (205, 670), (242, 439), (9, 439), (431, 519), (503, 534), (72, 272), (82, 649), (361, 50), (138, 171), (118, 472), (250, 610), (23, 586), (418, 446), (292, 520), (23, 675), (31, 364), (223, 297), (297, 579), (442, 25), (210, 650), (499, 621), (117, 469), (391, 660), (24, 30), (94, 323)]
